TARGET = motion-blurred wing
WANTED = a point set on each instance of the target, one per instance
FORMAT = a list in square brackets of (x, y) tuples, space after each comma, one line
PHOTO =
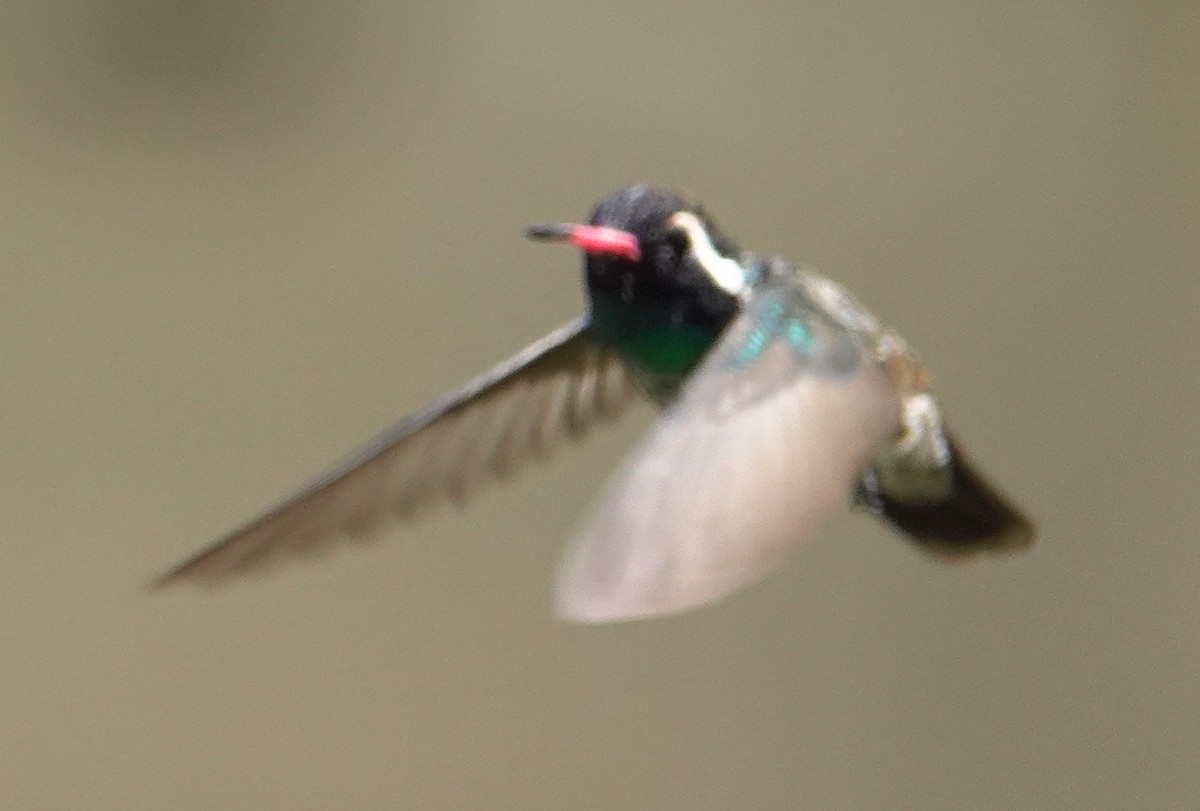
[(771, 434), (558, 387)]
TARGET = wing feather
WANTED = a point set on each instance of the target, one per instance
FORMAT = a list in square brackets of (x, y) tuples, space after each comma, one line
[(766, 439), (557, 388)]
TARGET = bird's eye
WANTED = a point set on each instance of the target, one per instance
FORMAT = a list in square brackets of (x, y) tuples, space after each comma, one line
[(676, 243)]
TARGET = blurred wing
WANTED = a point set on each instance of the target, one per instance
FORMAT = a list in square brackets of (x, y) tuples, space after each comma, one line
[(559, 387), (769, 436)]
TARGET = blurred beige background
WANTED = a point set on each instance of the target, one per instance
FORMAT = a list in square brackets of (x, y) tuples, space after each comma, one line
[(238, 238)]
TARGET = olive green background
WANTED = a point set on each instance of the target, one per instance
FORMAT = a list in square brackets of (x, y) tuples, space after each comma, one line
[(238, 238)]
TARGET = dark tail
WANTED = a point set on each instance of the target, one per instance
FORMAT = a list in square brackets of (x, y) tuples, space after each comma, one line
[(973, 518)]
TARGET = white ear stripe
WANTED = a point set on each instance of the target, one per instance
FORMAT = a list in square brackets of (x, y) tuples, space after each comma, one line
[(726, 273)]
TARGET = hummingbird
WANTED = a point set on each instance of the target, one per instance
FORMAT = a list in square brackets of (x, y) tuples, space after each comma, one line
[(782, 400)]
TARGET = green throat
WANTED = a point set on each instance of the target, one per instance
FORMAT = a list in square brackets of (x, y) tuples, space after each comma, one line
[(660, 351)]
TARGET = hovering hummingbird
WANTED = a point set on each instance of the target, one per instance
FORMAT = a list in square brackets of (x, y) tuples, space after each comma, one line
[(783, 400)]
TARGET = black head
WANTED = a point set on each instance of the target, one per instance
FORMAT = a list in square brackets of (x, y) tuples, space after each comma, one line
[(648, 250)]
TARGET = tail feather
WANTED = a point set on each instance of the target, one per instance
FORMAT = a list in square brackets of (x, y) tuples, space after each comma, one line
[(975, 517)]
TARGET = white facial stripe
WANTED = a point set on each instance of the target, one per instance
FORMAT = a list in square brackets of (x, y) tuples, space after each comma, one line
[(726, 273)]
